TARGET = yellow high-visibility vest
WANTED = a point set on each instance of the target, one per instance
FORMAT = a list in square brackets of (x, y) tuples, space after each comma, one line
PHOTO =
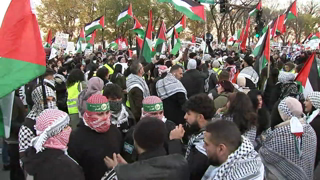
[(217, 70), (72, 102), (111, 71)]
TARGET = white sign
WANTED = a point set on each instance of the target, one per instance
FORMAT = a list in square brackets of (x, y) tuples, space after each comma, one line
[(62, 40), (70, 47)]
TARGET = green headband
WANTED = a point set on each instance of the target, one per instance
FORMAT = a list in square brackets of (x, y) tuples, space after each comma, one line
[(98, 107), (153, 107)]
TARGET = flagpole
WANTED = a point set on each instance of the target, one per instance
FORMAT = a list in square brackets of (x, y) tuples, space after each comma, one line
[(205, 37)]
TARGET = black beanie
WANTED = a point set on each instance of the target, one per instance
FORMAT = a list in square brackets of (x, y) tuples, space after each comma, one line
[(150, 133)]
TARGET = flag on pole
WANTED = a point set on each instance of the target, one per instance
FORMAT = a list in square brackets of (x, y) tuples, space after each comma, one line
[(291, 12), (125, 15), (262, 52), (137, 28), (241, 36), (315, 36), (308, 78), (179, 26), (175, 43), (206, 1), (82, 35), (256, 9), (193, 39), (49, 39), (147, 42), (79, 46), (91, 41), (161, 37), (96, 24), (280, 25), (245, 36), (22, 57), (236, 36), (190, 8), (139, 44), (308, 38)]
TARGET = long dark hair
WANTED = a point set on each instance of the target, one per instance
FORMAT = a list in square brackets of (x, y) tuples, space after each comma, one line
[(242, 111), (76, 75), (253, 97), (117, 70)]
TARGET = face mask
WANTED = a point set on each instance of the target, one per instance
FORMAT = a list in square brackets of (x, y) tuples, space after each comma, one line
[(115, 106)]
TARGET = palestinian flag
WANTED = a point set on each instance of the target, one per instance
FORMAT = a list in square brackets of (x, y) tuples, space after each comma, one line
[(256, 9), (279, 28), (241, 36), (82, 36), (137, 28), (193, 39), (245, 36), (125, 15), (91, 41), (236, 36), (315, 36), (190, 8), (175, 43), (147, 42), (262, 52), (79, 46), (96, 24), (179, 26), (207, 1), (139, 44), (291, 12), (49, 39), (161, 37), (22, 57), (308, 78), (308, 38), (6, 106), (113, 45)]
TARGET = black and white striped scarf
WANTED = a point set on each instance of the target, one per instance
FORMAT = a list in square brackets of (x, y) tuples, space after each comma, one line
[(137, 81), (169, 86)]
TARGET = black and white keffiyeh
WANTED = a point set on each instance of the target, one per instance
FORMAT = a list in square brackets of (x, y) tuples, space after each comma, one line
[(314, 98), (121, 119), (280, 156), (244, 163), (196, 141), (250, 73), (169, 86), (137, 81)]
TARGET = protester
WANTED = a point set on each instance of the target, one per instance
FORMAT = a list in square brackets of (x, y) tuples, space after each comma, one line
[(230, 67), (95, 138), (193, 79), (118, 78), (121, 116), (271, 84), (153, 107), (48, 78), (137, 89), (95, 86), (312, 108), (61, 90), (103, 74), (199, 112), (27, 131), (173, 94), (241, 112), (231, 155), (224, 89), (249, 73), (153, 163), (47, 159), (291, 140)]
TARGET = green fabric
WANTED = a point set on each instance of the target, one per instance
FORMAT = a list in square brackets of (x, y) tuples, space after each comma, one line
[(207, 1), (98, 107), (15, 73), (126, 17), (153, 107), (221, 101)]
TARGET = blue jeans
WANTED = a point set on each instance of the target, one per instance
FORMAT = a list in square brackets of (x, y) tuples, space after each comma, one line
[(5, 154)]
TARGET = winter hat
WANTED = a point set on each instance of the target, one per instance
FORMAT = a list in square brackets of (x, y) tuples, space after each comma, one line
[(97, 103), (152, 104), (314, 97), (215, 64), (52, 130), (249, 60), (192, 64), (149, 133)]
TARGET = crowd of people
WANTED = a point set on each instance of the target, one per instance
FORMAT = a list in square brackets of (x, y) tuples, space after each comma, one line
[(187, 116)]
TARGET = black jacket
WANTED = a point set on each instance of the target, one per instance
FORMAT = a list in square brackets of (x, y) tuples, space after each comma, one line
[(61, 91), (155, 165), (271, 95), (316, 126), (135, 97), (193, 81), (89, 148), (173, 108), (51, 164), (171, 146)]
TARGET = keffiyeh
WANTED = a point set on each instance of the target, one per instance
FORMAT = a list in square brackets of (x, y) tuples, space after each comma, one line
[(169, 86), (52, 130), (137, 81), (314, 98)]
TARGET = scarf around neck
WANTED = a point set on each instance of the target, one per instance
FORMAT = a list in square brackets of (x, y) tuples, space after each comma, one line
[(121, 117), (169, 86), (137, 81)]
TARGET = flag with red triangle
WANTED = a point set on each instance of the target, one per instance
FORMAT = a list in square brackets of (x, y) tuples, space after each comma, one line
[(291, 12), (137, 28), (91, 41), (241, 36), (308, 78), (193, 39), (161, 38), (315, 36), (95, 24), (179, 26), (125, 15), (256, 9), (22, 57), (175, 42), (49, 39), (147, 42), (245, 36), (262, 52), (82, 35), (139, 44)]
